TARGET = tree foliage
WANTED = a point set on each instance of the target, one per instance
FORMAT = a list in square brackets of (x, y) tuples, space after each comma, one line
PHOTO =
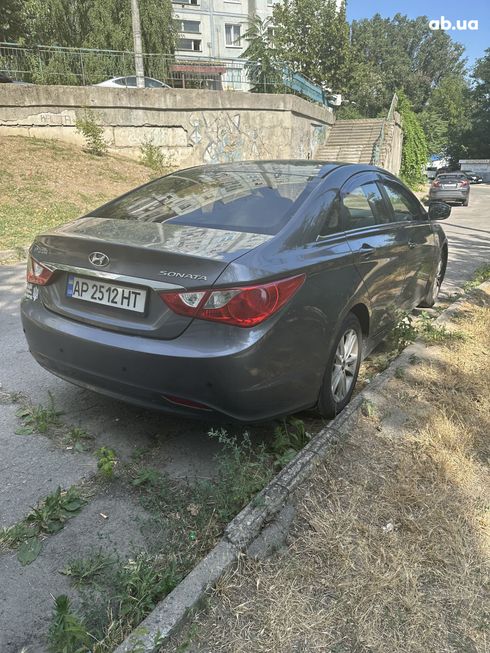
[(399, 52), (474, 142), (446, 114), (102, 24), (11, 20), (313, 37), (263, 67), (415, 152)]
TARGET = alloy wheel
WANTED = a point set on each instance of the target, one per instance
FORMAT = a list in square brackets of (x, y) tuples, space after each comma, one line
[(345, 365)]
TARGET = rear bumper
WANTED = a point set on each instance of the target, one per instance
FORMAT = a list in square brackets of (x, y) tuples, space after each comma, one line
[(453, 195), (249, 377)]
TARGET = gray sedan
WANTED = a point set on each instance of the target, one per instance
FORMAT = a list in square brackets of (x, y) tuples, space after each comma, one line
[(450, 187), (251, 290)]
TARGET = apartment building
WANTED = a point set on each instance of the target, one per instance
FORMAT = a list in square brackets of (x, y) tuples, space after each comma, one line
[(215, 28)]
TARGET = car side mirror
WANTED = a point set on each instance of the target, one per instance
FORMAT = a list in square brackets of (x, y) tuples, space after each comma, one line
[(439, 211)]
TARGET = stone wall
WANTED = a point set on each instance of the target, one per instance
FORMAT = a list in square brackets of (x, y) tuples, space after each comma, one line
[(191, 126)]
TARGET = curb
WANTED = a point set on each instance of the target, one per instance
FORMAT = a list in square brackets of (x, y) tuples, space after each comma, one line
[(243, 533)]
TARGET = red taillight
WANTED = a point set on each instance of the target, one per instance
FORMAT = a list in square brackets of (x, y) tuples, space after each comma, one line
[(465, 182), (435, 184), (244, 307), (38, 273)]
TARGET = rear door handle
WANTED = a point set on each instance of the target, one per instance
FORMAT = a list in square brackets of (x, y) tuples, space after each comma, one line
[(411, 244), (367, 250)]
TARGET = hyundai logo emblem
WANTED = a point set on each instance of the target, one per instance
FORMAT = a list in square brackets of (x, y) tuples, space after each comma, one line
[(99, 259)]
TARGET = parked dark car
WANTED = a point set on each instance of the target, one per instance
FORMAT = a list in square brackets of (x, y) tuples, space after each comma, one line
[(5, 79), (450, 187), (247, 289), (473, 177)]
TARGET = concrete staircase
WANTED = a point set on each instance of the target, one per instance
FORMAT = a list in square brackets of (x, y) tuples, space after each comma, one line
[(351, 141)]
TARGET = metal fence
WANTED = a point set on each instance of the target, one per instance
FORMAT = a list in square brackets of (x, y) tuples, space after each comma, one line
[(81, 67), (378, 145)]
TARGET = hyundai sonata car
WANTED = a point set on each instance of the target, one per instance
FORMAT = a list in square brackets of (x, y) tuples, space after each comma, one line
[(250, 289), (451, 187)]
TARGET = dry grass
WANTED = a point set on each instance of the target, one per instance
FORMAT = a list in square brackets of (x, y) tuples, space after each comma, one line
[(390, 548), (44, 183)]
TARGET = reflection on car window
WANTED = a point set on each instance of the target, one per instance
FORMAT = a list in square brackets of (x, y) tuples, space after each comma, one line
[(255, 199), (364, 206), (404, 207)]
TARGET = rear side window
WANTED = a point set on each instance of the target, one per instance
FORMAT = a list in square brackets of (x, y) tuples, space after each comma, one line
[(258, 200), (364, 206), (404, 206)]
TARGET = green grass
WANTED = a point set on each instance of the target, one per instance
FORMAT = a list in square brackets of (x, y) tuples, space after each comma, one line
[(20, 223), (480, 275), (184, 522), (38, 419), (47, 518)]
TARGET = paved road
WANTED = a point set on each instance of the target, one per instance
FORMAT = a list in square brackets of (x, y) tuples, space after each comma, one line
[(468, 232), (32, 466)]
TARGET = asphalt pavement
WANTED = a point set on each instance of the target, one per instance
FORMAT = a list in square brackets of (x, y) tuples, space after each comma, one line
[(32, 466)]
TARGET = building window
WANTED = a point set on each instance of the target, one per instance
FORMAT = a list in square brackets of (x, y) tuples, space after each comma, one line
[(194, 45), (185, 2), (188, 26), (270, 3), (232, 36)]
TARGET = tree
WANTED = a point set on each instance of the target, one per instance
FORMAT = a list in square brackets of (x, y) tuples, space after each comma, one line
[(101, 24), (475, 141), (11, 20), (446, 114), (313, 38), (95, 24), (400, 52), (264, 71)]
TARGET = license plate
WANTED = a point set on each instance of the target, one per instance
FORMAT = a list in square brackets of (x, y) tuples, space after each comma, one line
[(450, 185), (107, 294)]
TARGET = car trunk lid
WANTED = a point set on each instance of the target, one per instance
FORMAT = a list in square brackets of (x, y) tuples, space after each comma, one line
[(134, 262)]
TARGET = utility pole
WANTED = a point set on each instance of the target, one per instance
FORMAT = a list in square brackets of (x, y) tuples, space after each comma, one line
[(138, 48)]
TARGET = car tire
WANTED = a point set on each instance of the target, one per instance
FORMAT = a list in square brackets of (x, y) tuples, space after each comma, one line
[(342, 368), (435, 284)]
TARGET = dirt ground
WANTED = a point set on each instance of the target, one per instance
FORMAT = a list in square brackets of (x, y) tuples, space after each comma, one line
[(390, 546)]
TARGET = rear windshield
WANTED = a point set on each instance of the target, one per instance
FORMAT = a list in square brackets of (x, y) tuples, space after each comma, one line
[(451, 177), (259, 199)]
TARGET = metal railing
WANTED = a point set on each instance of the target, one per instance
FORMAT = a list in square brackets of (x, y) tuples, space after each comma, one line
[(378, 145), (81, 67)]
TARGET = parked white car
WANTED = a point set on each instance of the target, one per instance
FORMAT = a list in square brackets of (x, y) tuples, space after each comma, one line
[(130, 82)]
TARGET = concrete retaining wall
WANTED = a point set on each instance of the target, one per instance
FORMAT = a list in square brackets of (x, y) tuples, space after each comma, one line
[(191, 126)]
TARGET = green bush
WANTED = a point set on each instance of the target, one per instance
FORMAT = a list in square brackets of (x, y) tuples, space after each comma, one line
[(152, 156), (93, 133)]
